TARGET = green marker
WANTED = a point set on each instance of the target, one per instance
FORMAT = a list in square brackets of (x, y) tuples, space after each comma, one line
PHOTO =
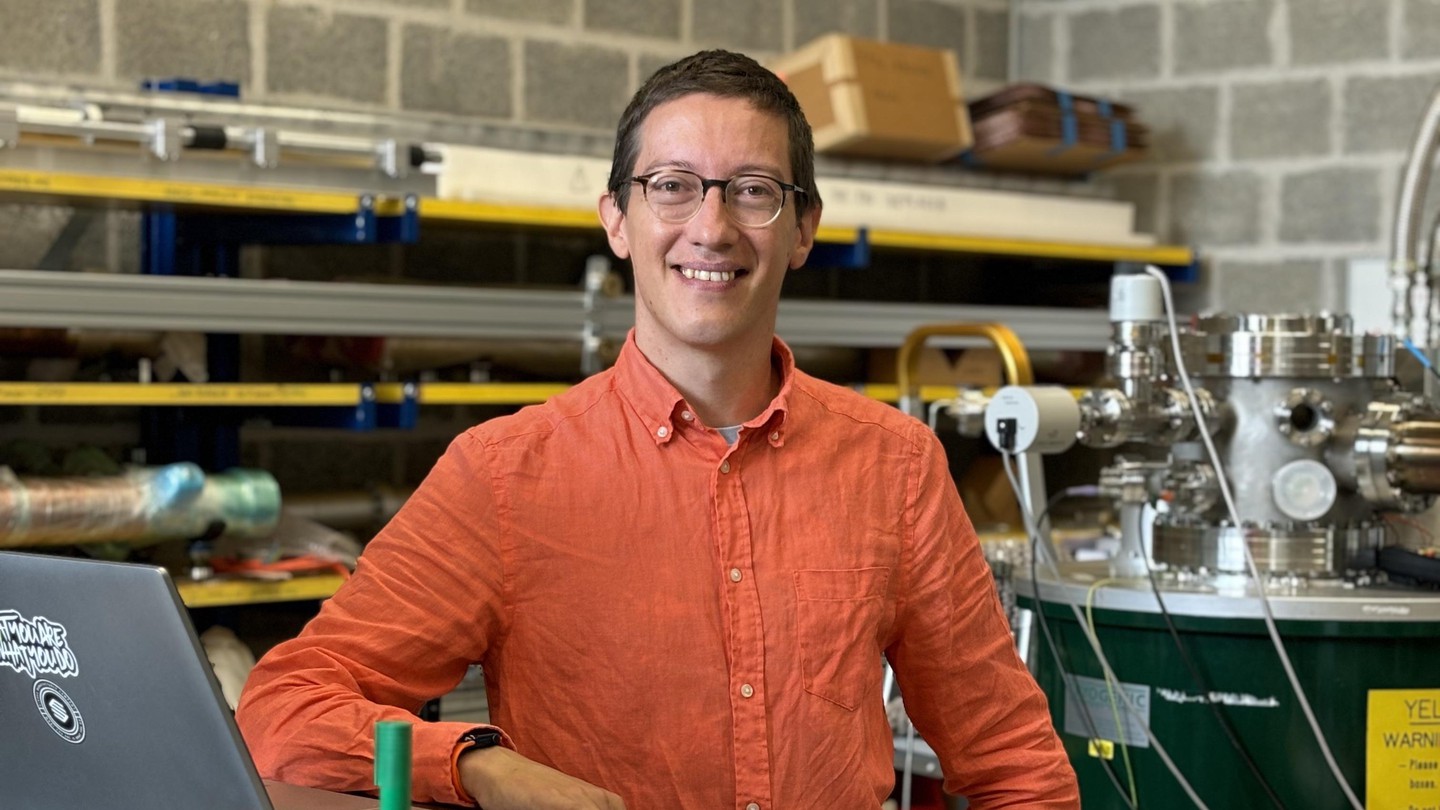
[(392, 764)]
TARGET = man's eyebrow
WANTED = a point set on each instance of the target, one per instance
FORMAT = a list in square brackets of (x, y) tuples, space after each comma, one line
[(670, 164), (748, 168)]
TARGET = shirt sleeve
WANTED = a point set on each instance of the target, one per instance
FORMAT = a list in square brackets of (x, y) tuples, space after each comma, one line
[(970, 696), (424, 603)]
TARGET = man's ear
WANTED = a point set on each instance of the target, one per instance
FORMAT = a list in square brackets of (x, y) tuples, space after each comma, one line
[(808, 224), (614, 221)]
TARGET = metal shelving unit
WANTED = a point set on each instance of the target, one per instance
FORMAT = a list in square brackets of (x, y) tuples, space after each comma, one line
[(158, 155)]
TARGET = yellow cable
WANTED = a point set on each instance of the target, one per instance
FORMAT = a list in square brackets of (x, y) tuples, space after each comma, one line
[(1110, 687)]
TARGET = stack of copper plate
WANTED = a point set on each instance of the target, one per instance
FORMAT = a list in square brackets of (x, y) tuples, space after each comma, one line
[(1038, 129)]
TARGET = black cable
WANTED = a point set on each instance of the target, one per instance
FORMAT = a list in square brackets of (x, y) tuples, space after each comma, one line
[(1204, 687), (1055, 650)]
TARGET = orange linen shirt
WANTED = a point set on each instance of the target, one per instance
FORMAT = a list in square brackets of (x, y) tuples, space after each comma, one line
[(688, 624)]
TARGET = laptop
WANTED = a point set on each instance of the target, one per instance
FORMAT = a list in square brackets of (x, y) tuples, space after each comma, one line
[(107, 698)]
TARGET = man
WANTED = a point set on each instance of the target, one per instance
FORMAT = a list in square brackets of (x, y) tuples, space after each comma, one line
[(680, 575)]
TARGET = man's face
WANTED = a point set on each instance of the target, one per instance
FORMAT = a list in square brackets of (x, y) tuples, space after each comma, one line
[(709, 282)]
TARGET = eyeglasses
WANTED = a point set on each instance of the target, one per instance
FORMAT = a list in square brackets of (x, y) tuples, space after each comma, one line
[(752, 200)]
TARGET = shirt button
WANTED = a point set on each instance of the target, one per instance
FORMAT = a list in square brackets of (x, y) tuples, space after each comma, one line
[(734, 574), (662, 431), (746, 690), (752, 806), (724, 466), (687, 416)]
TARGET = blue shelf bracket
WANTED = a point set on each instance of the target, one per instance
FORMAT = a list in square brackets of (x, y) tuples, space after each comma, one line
[(363, 226), (404, 414), (854, 255)]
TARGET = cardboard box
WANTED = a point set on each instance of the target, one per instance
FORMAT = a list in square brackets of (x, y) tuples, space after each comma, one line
[(879, 99)]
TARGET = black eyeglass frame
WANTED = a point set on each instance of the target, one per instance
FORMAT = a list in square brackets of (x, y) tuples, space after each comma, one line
[(707, 183)]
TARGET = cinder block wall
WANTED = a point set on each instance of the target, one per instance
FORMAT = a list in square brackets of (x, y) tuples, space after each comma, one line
[(566, 64), (1280, 126)]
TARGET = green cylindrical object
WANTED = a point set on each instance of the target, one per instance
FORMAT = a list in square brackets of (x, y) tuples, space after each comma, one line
[(392, 764), (1341, 647)]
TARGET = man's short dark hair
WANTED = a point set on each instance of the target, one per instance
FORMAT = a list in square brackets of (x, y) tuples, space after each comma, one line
[(728, 75)]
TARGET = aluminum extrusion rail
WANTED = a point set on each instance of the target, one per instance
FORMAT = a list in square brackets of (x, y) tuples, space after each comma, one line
[(275, 306)]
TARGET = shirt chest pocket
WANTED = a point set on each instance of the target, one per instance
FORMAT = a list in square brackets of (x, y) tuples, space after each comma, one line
[(838, 616)]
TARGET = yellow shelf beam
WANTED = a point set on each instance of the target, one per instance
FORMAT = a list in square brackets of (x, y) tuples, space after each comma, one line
[(471, 393), (224, 592), (890, 392), (483, 213), (331, 394), (236, 394), (102, 188), (1166, 255)]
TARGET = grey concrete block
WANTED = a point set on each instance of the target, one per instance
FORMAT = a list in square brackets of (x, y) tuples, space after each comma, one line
[(929, 23), (326, 54), (1382, 113), (651, 18), (124, 241), (58, 36), (208, 41), (575, 84), (1183, 122), (1118, 44), (1037, 48), (28, 232), (1220, 36), (1299, 287), (992, 44), (424, 4), (325, 262), (1420, 29), (1142, 190), (646, 65), (1331, 205), (553, 12), (453, 72), (1213, 210), (813, 18), (746, 25), (330, 464), (1325, 32), (1280, 119)]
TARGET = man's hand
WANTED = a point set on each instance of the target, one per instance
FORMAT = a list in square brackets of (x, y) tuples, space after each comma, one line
[(500, 779)]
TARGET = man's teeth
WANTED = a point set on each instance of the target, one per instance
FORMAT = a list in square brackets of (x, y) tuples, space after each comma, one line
[(708, 275)]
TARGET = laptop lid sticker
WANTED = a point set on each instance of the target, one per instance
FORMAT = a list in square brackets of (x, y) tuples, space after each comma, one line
[(59, 711), (35, 646)]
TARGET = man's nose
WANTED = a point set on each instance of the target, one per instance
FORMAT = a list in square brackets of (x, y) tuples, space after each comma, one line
[(713, 219)]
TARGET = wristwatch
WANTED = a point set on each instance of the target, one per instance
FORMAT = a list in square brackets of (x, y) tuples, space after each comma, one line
[(479, 738)]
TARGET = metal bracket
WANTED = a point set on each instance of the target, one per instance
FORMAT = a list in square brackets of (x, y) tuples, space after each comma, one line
[(9, 127), (163, 139), (393, 158), (266, 151)]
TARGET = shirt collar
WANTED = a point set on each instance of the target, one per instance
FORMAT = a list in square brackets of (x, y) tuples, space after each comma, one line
[(659, 405)]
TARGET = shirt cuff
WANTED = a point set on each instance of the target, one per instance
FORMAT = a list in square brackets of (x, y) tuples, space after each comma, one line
[(459, 748)]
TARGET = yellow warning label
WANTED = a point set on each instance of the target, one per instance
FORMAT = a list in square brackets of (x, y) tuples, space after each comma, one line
[(1102, 749), (1402, 750)]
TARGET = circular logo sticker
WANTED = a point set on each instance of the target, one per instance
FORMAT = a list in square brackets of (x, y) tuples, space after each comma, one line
[(59, 711)]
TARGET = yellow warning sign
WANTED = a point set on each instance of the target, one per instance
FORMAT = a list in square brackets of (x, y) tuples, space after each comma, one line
[(1402, 745)]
